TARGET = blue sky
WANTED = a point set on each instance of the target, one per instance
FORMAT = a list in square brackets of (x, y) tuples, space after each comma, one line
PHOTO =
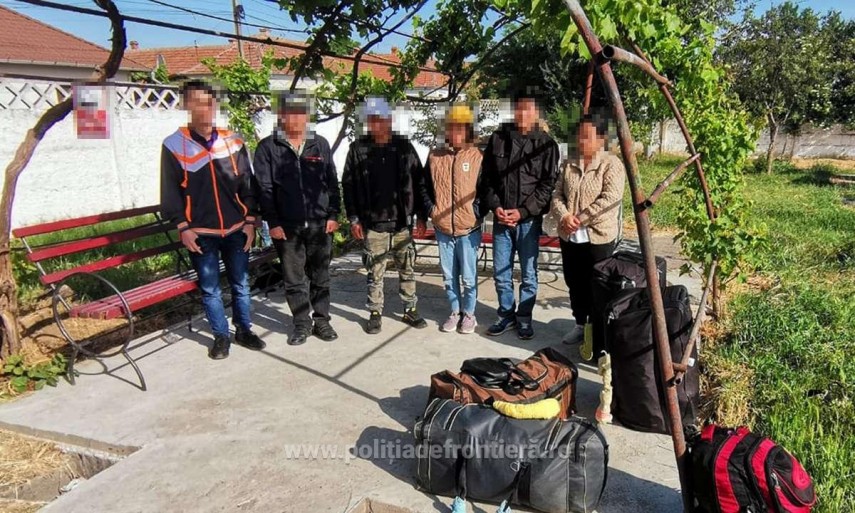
[(262, 12)]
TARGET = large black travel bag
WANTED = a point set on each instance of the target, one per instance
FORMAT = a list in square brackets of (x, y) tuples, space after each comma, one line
[(623, 270), (638, 400), (474, 452)]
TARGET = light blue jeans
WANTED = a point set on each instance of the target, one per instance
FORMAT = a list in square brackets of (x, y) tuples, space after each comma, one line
[(523, 240), (458, 257)]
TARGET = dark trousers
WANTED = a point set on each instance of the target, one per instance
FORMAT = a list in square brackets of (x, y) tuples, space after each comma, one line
[(578, 264), (305, 256)]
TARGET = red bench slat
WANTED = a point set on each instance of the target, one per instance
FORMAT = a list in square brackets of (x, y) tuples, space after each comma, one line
[(108, 263), (151, 293), (100, 241), (147, 295), (55, 226), (546, 241)]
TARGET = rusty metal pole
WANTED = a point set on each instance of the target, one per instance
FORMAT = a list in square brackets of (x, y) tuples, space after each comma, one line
[(660, 330), (589, 87)]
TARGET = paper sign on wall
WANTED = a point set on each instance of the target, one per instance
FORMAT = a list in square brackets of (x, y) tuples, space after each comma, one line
[(91, 111)]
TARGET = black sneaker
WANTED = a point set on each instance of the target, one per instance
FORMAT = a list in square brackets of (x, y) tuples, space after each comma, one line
[(220, 349), (412, 317), (525, 331), (249, 340), (375, 322), (503, 325), (301, 334), (324, 331)]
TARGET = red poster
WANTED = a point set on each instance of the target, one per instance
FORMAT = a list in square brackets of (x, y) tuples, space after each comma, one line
[(91, 111)]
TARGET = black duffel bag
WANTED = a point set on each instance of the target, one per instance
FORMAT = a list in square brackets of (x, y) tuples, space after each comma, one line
[(638, 400), (473, 452), (622, 271)]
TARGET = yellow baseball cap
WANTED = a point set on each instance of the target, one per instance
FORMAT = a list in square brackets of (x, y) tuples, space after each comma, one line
[(460, 114)]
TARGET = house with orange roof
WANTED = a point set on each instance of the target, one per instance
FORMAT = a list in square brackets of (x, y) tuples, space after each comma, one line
[(186, 62), (30, 47)]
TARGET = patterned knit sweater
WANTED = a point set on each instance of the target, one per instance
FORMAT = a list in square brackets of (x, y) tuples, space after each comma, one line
[(593, 194)]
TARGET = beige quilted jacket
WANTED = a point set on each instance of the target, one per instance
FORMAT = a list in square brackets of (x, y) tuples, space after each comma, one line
[(453, 178), (596, 189)]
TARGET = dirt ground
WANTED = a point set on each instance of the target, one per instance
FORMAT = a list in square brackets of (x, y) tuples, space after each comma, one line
[(23, 459)]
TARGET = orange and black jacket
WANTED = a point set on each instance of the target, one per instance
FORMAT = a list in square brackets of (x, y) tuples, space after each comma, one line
[(207, 190)]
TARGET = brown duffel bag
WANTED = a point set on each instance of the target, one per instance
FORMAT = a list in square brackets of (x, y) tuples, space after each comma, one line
[(546, 374)]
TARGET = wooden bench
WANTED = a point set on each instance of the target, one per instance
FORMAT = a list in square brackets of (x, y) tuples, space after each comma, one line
[(120, 303)]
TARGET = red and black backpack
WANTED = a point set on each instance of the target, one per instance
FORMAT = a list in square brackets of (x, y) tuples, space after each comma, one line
[(736, 471)]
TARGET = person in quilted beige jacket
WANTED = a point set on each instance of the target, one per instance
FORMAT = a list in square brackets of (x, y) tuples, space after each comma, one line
[(449, 191), (586, 201), (588, 191)]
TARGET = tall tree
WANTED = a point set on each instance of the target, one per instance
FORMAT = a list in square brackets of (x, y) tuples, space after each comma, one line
[(9, 333), (780, 68), (840, 36)]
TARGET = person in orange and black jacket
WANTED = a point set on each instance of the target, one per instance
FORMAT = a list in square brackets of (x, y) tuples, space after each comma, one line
[(206, 189), (300, 201)]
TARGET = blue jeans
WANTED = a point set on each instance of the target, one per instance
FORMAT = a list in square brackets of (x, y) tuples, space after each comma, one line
[(523, 240), (207, 267), (458, 257)]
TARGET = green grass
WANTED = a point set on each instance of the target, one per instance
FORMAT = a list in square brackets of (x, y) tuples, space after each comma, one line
[(797, 336)]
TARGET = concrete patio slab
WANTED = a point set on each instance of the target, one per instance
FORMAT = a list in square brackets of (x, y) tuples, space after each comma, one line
[(225, 435)]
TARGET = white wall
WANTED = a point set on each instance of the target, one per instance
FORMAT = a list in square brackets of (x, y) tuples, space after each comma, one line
[(835, 142)]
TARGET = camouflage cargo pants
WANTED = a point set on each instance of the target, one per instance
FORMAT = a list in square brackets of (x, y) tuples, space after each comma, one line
[(379, 247)]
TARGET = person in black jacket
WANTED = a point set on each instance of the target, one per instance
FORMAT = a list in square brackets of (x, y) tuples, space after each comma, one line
[(206, 189), (300, 201), (519, 171), (378, 185)]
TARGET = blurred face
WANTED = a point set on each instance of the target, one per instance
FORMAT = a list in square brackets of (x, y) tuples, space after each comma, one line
[(380, 128), (293, 121), (590, 142), (456, 133), (525, 113), (202, 108)]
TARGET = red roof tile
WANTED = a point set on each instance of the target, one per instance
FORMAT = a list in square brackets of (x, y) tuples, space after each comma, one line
[(26, 40), (186, 61)]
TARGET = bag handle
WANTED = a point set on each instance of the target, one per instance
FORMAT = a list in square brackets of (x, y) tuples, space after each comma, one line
[(521, 382)]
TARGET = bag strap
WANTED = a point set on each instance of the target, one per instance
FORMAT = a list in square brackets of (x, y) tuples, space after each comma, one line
[(519, 489)]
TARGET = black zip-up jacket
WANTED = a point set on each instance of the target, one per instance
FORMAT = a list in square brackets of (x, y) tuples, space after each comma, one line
[(296, 191), (209, 191), (520, 170), (356, 182)]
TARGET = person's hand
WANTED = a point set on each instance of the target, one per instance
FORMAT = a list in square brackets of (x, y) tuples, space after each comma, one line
[(513, 216), (570, 223), (356, 231), (421, 229), (189, 239), (332, 226), (277, 233), (249, 231), (502, 217)]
